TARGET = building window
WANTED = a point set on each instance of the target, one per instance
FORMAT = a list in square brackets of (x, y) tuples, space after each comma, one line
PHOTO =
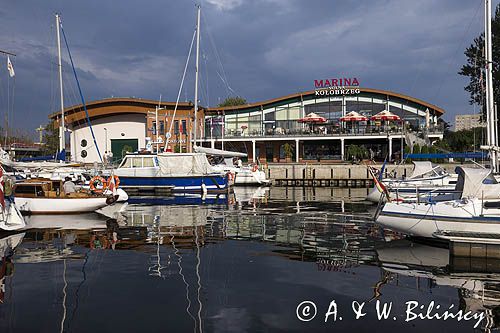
[(184, 129), (154, 127), (176, 127), (162, 127)]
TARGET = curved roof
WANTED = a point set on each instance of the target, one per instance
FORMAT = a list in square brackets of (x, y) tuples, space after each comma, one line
[(301, 95), (116, 105), (124, 105)]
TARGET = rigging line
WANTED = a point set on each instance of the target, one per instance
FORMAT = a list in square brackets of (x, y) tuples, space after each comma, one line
[(217, 58), (81, 95), (180, 89), (206, 77), (438, 90), (7, 111)]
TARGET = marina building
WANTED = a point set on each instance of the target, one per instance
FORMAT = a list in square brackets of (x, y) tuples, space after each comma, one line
[(122, 125), (315, 125)]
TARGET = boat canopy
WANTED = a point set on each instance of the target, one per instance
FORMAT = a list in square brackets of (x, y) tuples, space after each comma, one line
[(477, 183), (218, 152), (423, 169), (184, 164)]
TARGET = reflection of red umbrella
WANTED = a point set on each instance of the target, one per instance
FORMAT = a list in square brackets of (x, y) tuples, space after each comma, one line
[(353, 116), (313, 118), (385, 115)]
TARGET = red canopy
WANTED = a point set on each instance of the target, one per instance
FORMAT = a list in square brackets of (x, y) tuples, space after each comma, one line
[(312, 118), (385, 115), (353, 116)]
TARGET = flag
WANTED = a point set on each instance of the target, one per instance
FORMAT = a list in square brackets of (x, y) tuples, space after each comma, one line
[(112, 185), (2, 197), (10, 68), (381, 174), (379, 184)]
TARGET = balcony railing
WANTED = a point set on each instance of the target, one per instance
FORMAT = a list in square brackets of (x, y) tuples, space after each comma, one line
[(324, 131)]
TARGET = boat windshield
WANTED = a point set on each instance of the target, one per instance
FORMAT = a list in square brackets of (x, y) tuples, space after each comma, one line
[(425, 169)]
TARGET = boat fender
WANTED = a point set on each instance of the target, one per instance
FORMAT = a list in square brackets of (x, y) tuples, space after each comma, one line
[(204, 189), (96, 181)]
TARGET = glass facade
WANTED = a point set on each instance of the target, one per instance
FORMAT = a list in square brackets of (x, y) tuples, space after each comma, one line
[(282, 117)]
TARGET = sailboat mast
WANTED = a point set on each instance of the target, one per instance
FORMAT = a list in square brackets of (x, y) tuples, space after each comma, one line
[(62, 141), (196, 76), (490, 109)]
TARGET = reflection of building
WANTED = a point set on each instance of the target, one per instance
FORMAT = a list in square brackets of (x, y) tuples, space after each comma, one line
[(468, 121), (260, 129)]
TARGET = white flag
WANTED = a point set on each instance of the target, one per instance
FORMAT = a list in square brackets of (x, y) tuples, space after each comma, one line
[(10, 67)]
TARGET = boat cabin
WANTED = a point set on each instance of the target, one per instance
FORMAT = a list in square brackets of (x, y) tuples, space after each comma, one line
[(45, 188), (139, 161)]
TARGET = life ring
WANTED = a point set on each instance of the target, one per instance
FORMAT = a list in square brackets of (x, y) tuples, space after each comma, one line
[(255, 167), (97, 180), (117, 180)]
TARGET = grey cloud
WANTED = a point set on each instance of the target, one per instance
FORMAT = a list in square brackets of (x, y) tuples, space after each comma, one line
[(268, 48)]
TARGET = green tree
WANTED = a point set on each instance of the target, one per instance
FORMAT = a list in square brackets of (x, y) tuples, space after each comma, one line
[(355, 152), (406, 152), (233, 101), (475, 67), (51, 139), (288, 150)]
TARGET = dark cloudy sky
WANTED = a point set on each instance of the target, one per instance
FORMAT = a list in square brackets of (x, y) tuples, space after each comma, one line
[(258, 49)]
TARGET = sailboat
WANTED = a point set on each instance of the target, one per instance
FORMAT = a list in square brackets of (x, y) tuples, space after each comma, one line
[(243, 174), (426, 177), (475, 215), (180, 172)]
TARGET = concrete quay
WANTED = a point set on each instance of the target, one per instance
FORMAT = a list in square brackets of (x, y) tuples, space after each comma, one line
[(333, 174)]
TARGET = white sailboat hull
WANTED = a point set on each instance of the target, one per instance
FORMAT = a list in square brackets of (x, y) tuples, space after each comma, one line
[(59, 205), (407, 189), (244, 175), (467, 217)]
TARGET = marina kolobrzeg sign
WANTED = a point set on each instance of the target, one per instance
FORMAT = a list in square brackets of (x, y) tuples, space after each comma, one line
[(336, 86)]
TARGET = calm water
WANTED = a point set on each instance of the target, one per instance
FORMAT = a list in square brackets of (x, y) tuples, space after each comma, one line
[(240, 264)]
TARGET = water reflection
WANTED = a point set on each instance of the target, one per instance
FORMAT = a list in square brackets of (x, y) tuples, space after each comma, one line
[(229, 265), (477, 280)]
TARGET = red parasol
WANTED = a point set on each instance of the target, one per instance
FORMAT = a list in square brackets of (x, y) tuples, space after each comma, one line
[(353, 116), (313, 118), (385, 115)]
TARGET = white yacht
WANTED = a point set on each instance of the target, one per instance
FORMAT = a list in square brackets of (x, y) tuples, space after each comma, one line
[(244, 174), (474, 214), (426, 177)]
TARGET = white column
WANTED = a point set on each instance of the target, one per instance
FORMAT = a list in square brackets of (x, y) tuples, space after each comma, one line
[(342, 149), (253, 151), (297, 142), (390, 148), (212, 144)]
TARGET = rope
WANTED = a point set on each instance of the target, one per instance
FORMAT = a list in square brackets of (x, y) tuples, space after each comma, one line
[(81, 95), (180, 90)]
